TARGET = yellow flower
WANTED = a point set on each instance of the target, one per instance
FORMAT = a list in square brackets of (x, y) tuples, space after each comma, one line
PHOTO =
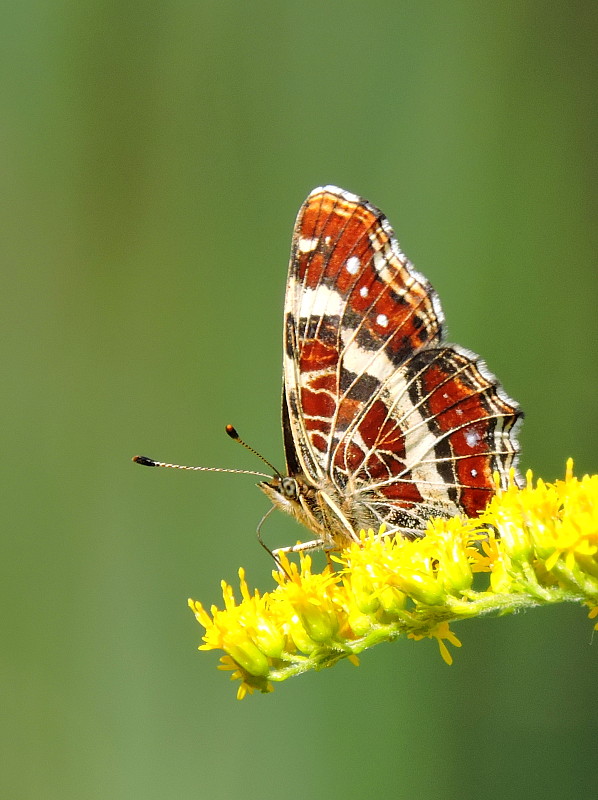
[(441, 632), (531, 546)]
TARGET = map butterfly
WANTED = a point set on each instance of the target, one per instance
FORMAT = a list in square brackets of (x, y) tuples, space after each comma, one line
[(383, 421)]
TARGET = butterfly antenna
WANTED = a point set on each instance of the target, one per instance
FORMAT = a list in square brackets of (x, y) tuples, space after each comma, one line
[(232, 432), (150, 462)]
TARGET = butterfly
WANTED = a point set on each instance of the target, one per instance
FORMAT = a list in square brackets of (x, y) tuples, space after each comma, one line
[(383, 421)]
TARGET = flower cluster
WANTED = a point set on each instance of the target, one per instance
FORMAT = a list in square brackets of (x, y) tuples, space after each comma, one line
[(532, 546)]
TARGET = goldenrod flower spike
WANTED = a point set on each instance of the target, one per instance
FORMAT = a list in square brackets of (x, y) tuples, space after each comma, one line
[(533, 546)]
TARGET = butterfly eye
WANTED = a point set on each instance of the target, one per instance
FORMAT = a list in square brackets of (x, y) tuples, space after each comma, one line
[(289, 488)]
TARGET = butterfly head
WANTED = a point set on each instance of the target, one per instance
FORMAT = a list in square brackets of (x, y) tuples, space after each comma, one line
[(283, 491), (294, 496)]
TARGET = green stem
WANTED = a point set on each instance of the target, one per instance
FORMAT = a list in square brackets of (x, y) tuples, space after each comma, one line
[(423, 620)]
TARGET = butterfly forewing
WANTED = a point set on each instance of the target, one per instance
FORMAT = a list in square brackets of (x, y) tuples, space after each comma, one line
[(354, 310), (383, 421)]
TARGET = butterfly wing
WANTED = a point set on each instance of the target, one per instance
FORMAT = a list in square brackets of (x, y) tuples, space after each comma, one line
[(401, 425)]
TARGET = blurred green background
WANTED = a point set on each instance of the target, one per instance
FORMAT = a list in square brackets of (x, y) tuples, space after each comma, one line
[(154, 156)]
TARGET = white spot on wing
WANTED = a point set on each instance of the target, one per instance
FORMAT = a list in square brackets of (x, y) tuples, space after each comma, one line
[(382, 320), (474, 473), (364, 291), (472, 438), (307, 245), (353, 264)]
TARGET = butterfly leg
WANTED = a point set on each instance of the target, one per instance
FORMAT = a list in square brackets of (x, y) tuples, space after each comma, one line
[(316, 544), (300, 547)]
